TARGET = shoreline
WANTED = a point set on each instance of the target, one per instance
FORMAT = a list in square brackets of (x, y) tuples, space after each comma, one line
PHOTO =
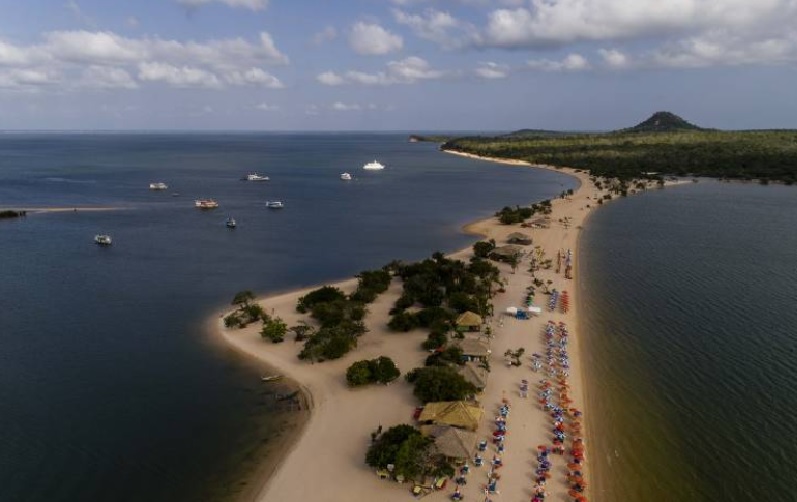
[(324, 388)]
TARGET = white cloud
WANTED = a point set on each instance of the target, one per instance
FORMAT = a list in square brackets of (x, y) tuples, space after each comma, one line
[(265, 107), (80, 53), (343, 107), (432, 25), (245, 4), (373, 40), (725, 48), (406, 71), (330, 78), (572, 62), (326, 35), (107, 77), (614, 58), (492, 71), (28, 78), (132, 22), (177, 76), (559, 22), (253, 76)]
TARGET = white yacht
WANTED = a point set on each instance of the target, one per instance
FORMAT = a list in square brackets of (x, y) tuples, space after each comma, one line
[(345, 176), (102, 239), (256, 177), (373, 166), (206, 204), (274, 204), (158, 186)]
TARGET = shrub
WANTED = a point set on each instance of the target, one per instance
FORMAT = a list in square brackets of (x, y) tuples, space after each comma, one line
[(323, 294), (440, 383), (274, 329), (384, 370), (403, 321), (359, 373), (482, 249)]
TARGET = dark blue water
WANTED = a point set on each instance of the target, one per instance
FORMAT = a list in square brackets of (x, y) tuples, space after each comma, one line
[(691, 319), (109, 388)]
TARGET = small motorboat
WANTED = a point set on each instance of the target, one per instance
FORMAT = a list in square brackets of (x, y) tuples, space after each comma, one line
[(255, 177), (158, 186), (274, 204), (373, 166), (103, 239), (231, 222), (271, 378), (345, 177)]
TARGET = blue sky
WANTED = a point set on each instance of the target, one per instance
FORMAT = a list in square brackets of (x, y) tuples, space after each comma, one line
[(395, 64)]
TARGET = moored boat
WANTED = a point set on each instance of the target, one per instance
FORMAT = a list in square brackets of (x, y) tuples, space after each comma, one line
[(274, 204), (231, 222), (158, 186), (103, 239), (206, 204), (345, 176), (255, 177)]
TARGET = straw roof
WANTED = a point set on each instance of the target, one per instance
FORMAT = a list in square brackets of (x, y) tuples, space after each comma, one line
[(469, 319), (454, 443), (473, 347), (507, 251), (519, 238), (455, 413), (474, 374)]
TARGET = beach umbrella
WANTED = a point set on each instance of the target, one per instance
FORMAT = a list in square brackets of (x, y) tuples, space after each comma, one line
[(574, 494), (574, 467)]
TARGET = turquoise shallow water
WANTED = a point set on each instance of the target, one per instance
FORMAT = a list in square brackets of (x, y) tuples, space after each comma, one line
[(108, 388), (691, 333)]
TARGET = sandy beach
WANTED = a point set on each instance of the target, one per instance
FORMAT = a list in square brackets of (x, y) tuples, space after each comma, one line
[(326, 462)]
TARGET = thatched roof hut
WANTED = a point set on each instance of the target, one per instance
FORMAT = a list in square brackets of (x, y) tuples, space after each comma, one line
[(474, 348), (455, 413), (451, 442), (474, 374), (469, 321), (505, 253), (518, 238)]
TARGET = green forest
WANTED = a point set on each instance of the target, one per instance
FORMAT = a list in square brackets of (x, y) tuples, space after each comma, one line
[(663, 144)]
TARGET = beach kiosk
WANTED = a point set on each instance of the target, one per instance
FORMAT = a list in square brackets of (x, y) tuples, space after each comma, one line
[(469, 321), (518, 238), (460, 414)]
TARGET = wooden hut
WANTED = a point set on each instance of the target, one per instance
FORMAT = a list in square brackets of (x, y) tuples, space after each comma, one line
[(506, 253), (474, 374), (469, 321), (518, 238), (474, 349), (461, 414)]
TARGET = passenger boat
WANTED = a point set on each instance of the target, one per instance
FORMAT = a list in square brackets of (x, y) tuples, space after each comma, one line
[(274, 204), (231, 222), (206, 204), (256, 177), (373, 166), (158, 186), (103, 240), (345, 176)]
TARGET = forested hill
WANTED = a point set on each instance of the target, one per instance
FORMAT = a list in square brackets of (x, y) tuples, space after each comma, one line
[(664, 144)]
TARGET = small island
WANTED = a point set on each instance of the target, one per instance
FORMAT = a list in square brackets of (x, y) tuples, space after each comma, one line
[(10, 213)]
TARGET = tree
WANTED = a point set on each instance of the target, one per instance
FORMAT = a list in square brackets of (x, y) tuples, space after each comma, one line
[(403, 321), (274, 329), (302, 331), (482, 249), (440, 383), (242, 298), (359, 373), (383, 451), (384, 370), (323, 294)]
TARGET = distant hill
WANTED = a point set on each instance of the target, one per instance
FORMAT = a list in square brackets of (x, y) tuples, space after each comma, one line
[(663, 122)]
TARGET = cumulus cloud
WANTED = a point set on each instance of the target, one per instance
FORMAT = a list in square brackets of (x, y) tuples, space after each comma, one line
[(265, 107), (572, 62), (724, 48), (244, 4), (184, 76), (326, 35), (492, 71), (255, 77), (81, 54), (31, 79), (614, 58), (330, 78), (107, 77), (433, 25), (406, 71), (558, 22), (343, 107), (373, 40)]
